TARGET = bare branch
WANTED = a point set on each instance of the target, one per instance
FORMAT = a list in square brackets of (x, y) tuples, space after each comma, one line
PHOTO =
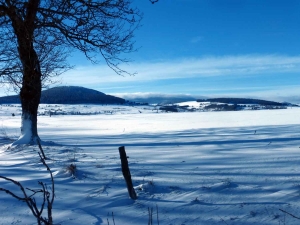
[(3, 10), (30, 200), (51, 175), (153, 1), (289, 214), (37, 36), (52, 54), (105, 27)]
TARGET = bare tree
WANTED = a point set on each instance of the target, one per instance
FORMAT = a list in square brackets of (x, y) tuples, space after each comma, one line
[(34, 32), (52, 56)]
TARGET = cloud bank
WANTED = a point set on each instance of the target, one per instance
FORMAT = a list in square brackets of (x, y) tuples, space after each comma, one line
[(153, 98), (244, 65)]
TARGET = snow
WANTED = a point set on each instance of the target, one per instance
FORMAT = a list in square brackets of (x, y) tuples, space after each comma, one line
[(196, 167), (26, 134)]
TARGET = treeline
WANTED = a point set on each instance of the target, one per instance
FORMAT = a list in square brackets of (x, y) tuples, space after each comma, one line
[(242, 101)]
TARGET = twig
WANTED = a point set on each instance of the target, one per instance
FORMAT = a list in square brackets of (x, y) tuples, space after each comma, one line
[(30, 200), (157, 214), (112, 214), (153, 1), (41, 149), (150, 212), (289, 214), (223, 220)]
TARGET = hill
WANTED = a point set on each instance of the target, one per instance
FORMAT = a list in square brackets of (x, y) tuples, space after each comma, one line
[(69, 95)]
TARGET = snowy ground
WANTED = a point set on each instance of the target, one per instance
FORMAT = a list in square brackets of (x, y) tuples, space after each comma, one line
[(197, 168)]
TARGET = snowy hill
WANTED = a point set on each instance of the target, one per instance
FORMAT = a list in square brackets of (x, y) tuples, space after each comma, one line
[(69, 95)]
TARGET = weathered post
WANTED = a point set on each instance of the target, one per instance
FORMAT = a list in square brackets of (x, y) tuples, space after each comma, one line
[(126, 173)]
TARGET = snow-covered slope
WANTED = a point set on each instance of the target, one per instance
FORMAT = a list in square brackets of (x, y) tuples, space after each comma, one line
[(198, 168)]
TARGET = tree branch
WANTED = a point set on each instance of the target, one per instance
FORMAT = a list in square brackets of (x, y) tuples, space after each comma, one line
[(153, 1), (289, 214), (30, 200)]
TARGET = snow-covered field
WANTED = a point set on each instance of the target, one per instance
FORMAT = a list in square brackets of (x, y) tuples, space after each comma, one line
[(197, 168)]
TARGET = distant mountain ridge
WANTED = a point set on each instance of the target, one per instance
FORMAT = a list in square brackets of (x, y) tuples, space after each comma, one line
[(69, 95), (243, 101), (81, 95)]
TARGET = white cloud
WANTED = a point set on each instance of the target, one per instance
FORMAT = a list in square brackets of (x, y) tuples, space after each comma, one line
[(274, 93), (151, 95), (279, 93), (196, 39), (245, 65)]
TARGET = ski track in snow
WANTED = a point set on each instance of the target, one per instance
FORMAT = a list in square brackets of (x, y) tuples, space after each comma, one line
[(197, 168)]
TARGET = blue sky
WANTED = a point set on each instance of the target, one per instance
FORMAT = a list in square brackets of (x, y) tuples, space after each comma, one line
[(240, 48)]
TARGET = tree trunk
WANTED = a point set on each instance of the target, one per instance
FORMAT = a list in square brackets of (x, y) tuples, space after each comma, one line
[(30, 97), (30, 93)]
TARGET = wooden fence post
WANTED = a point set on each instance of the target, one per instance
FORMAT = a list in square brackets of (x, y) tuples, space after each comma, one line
[(126, 173)]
